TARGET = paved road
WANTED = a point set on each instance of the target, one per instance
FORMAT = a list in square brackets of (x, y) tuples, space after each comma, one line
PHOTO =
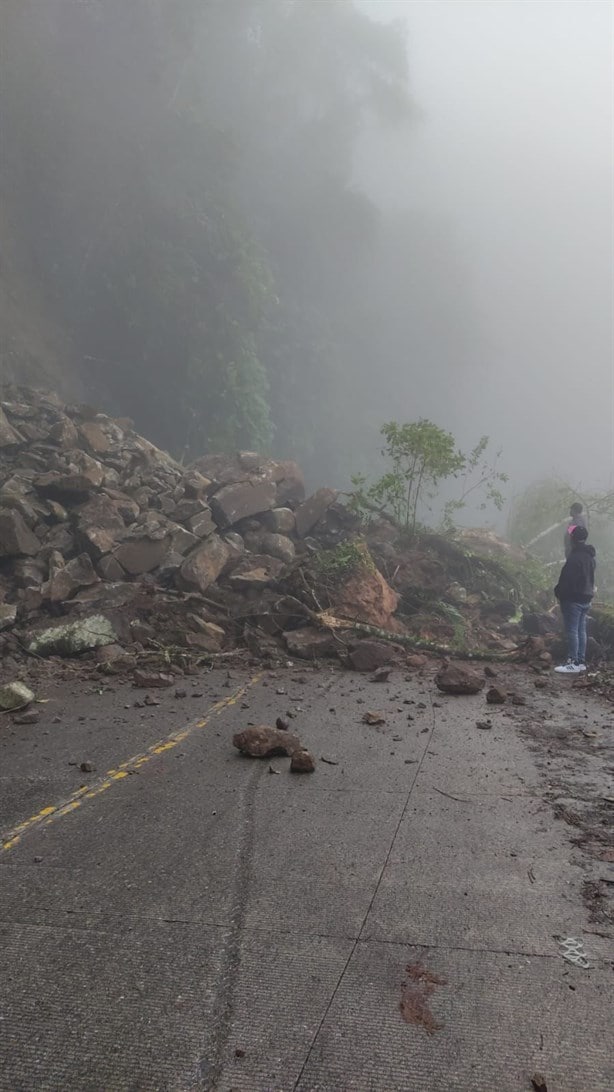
[(190, 919)]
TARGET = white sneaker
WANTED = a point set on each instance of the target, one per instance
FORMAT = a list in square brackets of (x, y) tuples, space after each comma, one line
[(581, 667), (569, 669)]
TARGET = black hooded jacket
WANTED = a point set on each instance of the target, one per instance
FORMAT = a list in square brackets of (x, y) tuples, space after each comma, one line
[(577, 580)]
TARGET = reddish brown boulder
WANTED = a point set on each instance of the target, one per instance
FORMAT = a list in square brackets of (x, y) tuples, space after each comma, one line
[(369, 655), (302, 762), (495, 696), (148, 680), (366, 597), (458, 679), (310, 643), (262, 741)]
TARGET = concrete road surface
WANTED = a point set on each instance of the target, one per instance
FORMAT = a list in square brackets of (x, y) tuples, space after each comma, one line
[(182, 918)]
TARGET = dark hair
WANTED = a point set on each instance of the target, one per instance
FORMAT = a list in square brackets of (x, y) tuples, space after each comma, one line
[(579, 534), (575, 509)]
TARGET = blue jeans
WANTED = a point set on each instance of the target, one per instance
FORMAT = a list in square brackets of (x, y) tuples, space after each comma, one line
[(574, 617)]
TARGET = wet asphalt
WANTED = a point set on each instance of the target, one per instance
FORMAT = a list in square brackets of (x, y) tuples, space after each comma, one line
[(178, 917)]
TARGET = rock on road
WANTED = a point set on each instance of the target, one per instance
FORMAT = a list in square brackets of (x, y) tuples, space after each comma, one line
[(191, 919)]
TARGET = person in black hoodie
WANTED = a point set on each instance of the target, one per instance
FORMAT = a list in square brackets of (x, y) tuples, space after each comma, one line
[(574, 592)]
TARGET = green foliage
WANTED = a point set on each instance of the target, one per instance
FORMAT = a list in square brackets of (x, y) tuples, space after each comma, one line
[(421, 456), (336, 565), (538, 518), (479, 476)]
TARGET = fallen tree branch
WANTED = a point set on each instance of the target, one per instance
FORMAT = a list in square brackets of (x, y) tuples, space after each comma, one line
[(329, 621)]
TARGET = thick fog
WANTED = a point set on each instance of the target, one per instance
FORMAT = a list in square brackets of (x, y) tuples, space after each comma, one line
[(511, 146), (276, 225)]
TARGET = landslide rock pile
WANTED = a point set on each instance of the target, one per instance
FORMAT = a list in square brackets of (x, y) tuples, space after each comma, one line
[(94, 519)]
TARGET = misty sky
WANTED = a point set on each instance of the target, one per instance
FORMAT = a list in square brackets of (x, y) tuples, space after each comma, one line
[(513, 148)]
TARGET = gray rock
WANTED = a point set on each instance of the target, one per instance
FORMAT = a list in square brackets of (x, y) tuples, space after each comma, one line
[(8, 615), (16, 538), (73, 638), (204, 565), (263, 741), (141, 554), (278, 546), (196, 484), (235, 502), (313, 509), (182, 540), (70, 578), (64, 433), (29, 572), (15, 695), (201, 523), (309, 643), (110, 569), (281, 521), (9, 437)]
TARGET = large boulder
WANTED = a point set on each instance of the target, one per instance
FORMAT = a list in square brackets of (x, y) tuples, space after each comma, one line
[(263, 741), (203, 566), (368, 655), (9, 437), (8, 615), (278, 546), (364, 596), (66, 580), (310, 513), (141, 553), (64, 433), (201, 523), (99, 525), (16, 538), (280, 521), (458, 679), (68, 488), (15, 695), (310, 643), (94, 438), (73, 638), (235, 502), (290, 483)]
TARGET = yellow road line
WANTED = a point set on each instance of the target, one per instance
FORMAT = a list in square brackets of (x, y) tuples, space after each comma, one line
[(53, 812)]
